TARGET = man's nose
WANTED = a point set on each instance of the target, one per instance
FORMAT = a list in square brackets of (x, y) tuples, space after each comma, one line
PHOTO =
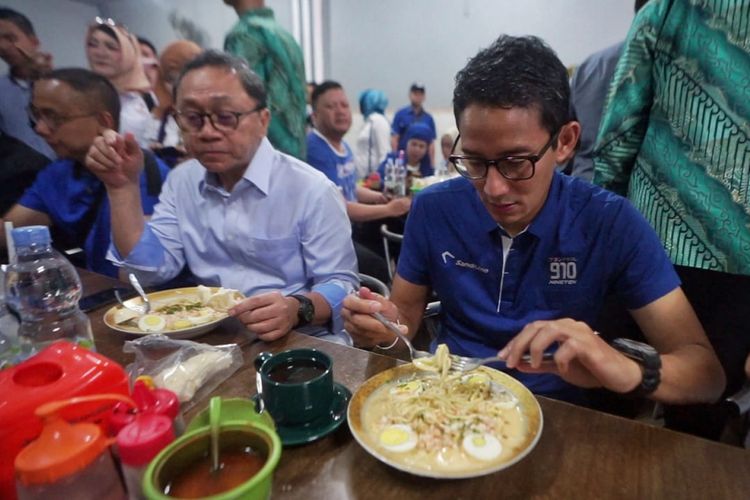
[(495, 184), (41, 128)]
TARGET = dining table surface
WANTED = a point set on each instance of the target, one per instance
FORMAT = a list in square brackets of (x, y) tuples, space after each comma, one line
[(581, 453)]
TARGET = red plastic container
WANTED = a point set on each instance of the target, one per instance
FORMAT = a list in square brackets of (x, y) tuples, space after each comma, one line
[(62, 370)]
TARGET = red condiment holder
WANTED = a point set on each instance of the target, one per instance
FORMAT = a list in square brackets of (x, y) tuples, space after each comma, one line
[(62, 370)]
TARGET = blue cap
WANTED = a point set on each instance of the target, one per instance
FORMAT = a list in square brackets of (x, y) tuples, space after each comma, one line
[(31, 235)]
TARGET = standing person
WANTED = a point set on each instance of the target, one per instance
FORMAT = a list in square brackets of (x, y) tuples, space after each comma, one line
[(239, 214), (407, 115), (114, 53), (70, 108), (522, 256), (277, 59), (374, 140), (675, 138), (19, 48)]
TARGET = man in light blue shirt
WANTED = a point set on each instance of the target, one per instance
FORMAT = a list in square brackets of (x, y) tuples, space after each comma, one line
[(240, 214)]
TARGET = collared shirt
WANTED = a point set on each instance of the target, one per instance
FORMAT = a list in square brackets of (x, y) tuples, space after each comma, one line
[(584, 243), (15, 96), (66, 192), (405, 117), (277, 59), (283, 227), (337, 166)]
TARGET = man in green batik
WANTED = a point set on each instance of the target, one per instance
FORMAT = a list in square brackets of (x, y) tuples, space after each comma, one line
[(277, 58), (675, 137)]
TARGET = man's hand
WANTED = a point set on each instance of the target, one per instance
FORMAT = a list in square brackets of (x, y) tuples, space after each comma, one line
[(399, 206), (582, 358), (115, 159), (370, 196), (37, 63), (269, 315), (365, 330)]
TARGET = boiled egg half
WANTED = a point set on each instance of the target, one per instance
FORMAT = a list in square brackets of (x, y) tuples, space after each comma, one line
[(151, 323), (482, 446), (398, 438)]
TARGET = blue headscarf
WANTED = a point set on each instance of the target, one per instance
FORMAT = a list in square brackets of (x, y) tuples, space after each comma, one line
[(372, 101), (418, 130)]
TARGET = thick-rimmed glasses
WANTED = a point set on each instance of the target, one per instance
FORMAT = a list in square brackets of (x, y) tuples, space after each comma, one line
[(512, 167), (223, 121), (53, 121)]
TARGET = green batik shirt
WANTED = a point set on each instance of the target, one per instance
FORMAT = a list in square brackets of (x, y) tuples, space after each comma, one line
[(674, 136), (277, 59)]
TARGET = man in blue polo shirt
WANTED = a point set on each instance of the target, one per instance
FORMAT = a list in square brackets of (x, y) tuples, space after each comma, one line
[(522, 257), (413, 113), (71, 107)]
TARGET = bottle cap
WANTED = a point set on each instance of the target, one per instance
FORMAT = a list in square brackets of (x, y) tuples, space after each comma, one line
[(61, 450), (140, 441), (31, 235), (147, 400)]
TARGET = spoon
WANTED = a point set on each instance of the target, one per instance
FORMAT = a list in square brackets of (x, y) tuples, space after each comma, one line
[(214, 412)]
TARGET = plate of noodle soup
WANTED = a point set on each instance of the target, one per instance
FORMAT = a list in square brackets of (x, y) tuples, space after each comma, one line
[(436, 423)]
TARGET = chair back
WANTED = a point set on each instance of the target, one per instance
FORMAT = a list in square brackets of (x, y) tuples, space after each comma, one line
[(388, 238), (374, 284)]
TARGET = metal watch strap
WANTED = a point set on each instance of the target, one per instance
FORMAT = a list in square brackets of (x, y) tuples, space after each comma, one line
[(647, 358)]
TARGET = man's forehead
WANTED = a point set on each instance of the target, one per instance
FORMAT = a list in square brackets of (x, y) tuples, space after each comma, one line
[(56, 94), (7, 28), (211, 84)]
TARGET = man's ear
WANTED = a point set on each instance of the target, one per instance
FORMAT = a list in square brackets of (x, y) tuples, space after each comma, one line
[(567, 139), (106, 121)]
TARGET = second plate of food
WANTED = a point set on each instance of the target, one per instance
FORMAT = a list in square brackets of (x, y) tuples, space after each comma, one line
[(179, 313)]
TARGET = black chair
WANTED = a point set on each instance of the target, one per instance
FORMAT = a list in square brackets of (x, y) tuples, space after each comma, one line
[(390, 238), (374, 284)]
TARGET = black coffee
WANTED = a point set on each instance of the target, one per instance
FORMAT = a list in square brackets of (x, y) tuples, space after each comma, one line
[(295, 371)]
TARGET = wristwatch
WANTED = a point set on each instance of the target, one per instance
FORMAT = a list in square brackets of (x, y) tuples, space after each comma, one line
[(649, 361), (306, 310)]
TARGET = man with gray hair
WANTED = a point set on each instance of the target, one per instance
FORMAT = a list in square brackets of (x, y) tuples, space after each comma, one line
[(240, 214)]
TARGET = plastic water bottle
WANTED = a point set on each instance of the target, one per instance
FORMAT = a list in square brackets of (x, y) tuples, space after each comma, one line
[(9, 349), (389, 184), (44, 288), (401, 173)]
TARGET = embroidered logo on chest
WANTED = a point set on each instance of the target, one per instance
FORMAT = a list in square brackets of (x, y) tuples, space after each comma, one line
[(563, 271), (450, 259)]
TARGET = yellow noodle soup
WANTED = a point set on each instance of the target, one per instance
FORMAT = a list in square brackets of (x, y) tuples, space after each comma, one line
[(457, 426)]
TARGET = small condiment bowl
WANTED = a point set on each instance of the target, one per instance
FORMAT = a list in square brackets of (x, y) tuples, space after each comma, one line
[(194, 445)]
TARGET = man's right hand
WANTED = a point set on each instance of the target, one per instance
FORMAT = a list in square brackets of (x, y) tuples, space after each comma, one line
[(399, 206), (115, 159), (365, 330)]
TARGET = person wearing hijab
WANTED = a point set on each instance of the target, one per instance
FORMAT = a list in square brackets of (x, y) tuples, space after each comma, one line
[(418, 139), (374, 139), (165, 137), (114, 53)]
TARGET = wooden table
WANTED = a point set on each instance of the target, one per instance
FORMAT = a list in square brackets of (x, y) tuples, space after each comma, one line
[(581, 453)]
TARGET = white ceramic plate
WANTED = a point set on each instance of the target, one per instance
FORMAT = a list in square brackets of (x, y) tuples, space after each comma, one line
[(190, 293), (528, 404)]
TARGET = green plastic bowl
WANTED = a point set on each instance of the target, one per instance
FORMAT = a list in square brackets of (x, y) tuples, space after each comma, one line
[(191, 446)]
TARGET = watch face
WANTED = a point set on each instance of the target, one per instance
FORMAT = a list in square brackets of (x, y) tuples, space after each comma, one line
[(306, 311)]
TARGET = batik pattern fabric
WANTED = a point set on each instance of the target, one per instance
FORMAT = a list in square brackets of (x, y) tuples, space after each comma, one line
[(276, 57), (674, 136)]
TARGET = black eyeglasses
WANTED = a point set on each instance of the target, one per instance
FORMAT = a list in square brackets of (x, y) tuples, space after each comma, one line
[(512, 167), (223, 121), (53, 121)]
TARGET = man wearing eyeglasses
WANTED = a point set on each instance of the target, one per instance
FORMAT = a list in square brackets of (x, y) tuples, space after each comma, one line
[(69, 108), (522, 257), (240, 214)]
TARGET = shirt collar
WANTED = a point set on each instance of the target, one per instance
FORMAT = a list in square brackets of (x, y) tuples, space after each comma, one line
[(259, 12), (257, 173)]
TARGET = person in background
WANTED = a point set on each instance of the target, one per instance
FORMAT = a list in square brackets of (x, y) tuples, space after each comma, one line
[(19, 48), (418, 139), (277, 59), (165, 136), (239, 214), (407, 115), (374, 139), (675, 138), (115, 54), (521, 256), (150, 62), (328, 152), (448, 144), (588, 92), (70, 108)]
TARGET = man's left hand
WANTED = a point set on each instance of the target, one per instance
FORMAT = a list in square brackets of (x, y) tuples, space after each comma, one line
[(269, 315), (582, 358)]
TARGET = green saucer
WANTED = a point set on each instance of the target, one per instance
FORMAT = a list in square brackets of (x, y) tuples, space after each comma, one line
[(312, 431)]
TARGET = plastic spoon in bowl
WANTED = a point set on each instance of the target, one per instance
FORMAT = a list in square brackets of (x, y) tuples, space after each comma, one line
[(214, 413)]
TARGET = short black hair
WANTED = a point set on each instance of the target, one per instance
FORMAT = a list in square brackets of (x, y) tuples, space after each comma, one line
[(147, 42), (22, 22), (520, 72), (321, 89), (250, 81), (96, 89)]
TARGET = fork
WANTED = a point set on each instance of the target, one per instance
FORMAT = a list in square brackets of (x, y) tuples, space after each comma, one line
[(141, 309), (413, 353), (466, 364)]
